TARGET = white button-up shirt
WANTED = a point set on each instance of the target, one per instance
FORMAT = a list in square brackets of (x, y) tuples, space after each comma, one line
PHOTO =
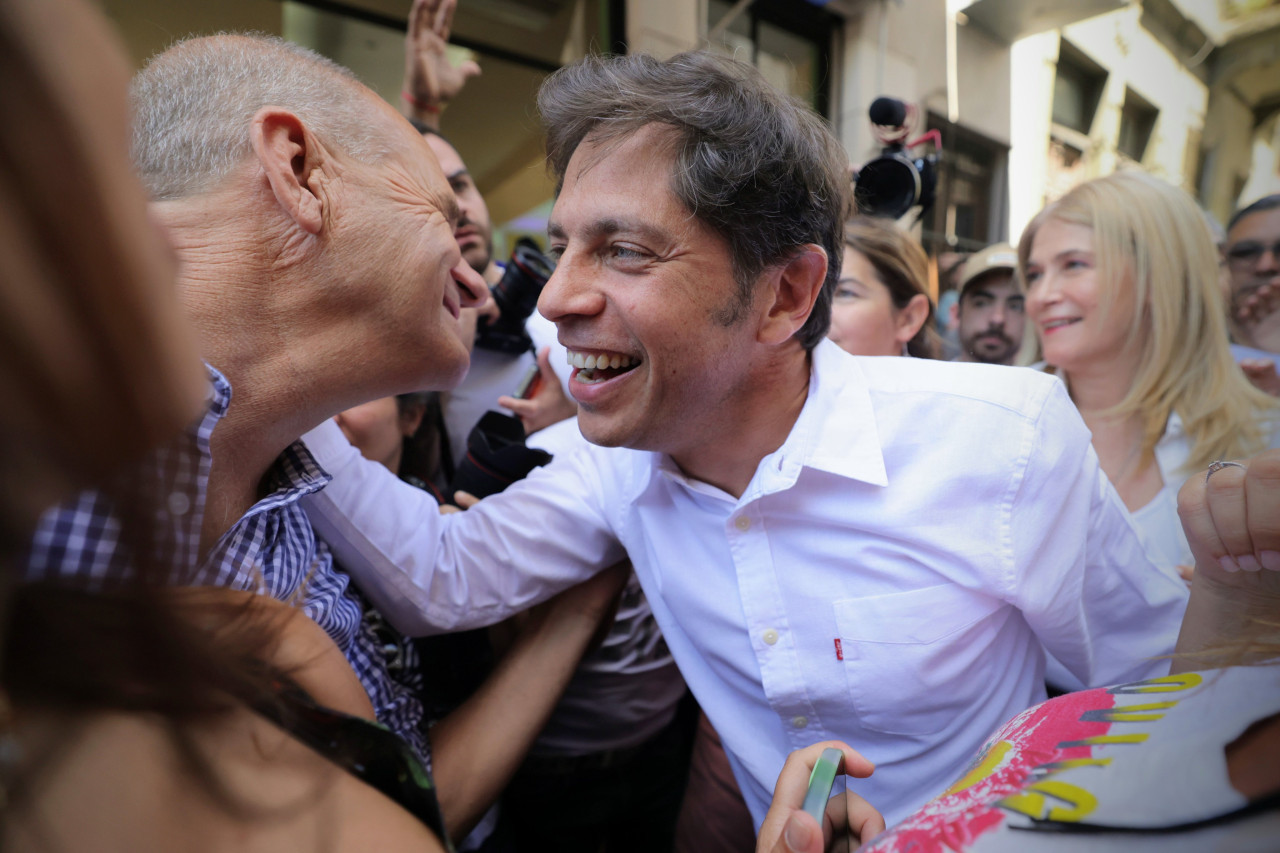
[(887, 578)]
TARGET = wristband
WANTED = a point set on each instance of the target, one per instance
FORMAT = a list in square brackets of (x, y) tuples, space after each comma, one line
[(430, 108)]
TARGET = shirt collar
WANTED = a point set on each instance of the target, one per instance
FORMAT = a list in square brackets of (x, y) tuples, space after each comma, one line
[(836, 433), (294, 474)]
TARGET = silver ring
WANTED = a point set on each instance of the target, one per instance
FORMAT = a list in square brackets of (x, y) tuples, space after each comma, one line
[(1215, 467)]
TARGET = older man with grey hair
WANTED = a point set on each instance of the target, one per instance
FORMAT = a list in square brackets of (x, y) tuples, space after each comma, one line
[(833, 546), (314, 230)]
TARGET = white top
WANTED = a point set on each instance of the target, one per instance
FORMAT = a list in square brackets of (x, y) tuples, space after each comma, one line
[(882, 580)]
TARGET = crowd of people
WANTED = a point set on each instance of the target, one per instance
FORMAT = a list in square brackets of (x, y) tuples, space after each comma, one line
[(737, 507)]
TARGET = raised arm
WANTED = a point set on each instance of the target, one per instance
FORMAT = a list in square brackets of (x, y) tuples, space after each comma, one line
[(1232, 520), (430, 80)]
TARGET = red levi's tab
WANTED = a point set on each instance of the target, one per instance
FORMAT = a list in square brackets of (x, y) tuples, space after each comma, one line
[(839, 650)]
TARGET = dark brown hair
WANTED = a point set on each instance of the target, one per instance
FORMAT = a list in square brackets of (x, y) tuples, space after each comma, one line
[(759, 168)]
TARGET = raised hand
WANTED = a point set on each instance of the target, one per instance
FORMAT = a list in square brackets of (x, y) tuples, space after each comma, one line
[(548, 405), (1232, 520), (430, 80)]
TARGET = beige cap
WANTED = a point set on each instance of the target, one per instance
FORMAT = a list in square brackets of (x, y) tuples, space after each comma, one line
[(998, 256)]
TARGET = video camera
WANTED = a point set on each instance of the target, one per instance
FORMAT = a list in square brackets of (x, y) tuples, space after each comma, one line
[(893, 183), (517, 296)]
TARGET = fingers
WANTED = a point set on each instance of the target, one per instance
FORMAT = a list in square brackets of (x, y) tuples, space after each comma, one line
[(1230, 517), (419, 17), (1225, 497), (801, 834), (1262, 508), (465, 500), (862, 818), (443, 19), (544, 364)]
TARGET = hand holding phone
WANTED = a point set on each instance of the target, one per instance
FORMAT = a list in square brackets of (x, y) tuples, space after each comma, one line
[(805, 785), (828, 766)]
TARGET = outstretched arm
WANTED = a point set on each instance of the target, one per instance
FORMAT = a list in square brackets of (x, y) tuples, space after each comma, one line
[(428, 573)]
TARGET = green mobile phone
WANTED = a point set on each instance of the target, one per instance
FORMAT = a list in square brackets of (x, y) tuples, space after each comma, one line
[(824, 774)]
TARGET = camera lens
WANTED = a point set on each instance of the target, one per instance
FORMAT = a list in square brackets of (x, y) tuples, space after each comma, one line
[(888, 186)]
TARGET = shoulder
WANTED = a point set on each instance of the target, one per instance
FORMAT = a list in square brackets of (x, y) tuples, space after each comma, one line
[(1020, 391), (128, 780)]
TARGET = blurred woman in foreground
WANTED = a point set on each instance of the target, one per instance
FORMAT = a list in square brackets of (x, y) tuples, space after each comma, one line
[(1122, 286), (137, 715)]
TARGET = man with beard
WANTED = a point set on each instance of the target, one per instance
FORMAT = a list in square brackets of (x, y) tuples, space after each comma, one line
[(990, 311)]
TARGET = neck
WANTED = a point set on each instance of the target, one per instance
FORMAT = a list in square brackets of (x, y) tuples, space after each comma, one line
[(237, 299), (751, 424), (1098, 388)]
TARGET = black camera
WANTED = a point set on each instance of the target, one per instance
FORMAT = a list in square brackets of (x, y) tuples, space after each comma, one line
[(516, 295), (895, 182)]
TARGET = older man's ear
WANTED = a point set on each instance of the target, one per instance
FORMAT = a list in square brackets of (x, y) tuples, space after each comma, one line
[(288, 153), (793, 289)]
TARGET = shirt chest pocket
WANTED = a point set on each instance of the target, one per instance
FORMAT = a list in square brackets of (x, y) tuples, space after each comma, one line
[(916, 660)]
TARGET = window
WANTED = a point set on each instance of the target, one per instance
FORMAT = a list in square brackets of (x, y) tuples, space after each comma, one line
[(1077, 89), (1137, 120), (789, 42), (969, 211)]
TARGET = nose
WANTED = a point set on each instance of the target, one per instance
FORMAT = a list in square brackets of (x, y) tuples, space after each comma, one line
[(569, 291), (1270, 260), (1040, 295), (471, 287)]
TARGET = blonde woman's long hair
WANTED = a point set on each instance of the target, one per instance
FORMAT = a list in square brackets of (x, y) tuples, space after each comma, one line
[(1150, 235)]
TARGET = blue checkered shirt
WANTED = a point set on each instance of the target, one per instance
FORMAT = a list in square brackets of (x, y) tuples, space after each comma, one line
[(271, 549)]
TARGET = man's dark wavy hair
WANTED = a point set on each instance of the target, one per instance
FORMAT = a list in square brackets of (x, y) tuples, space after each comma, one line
[(758, 167)]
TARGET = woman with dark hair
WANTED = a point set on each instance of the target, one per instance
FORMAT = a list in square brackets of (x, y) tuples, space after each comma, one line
[(881, 303)]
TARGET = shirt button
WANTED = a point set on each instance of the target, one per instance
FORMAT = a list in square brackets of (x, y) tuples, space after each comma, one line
[(769, 636), (179, 504), (742, 523), (800, 722)]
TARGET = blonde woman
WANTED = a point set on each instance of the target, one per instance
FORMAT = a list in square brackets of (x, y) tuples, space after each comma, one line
[(1122, 288)]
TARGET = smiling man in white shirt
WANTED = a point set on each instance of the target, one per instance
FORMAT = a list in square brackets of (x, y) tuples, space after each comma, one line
[(869, 549)]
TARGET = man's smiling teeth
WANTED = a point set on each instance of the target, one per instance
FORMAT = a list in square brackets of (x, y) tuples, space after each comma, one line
[(589, 363), (602, 360)]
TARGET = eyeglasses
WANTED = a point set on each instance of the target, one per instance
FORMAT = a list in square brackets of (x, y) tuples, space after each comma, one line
[(1244, 256)]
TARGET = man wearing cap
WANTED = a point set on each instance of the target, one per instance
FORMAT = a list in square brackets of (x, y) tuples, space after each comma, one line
[(990, 312)]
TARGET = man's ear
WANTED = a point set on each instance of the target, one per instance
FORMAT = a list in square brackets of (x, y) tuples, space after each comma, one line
[(794, 288), (288, 152)]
